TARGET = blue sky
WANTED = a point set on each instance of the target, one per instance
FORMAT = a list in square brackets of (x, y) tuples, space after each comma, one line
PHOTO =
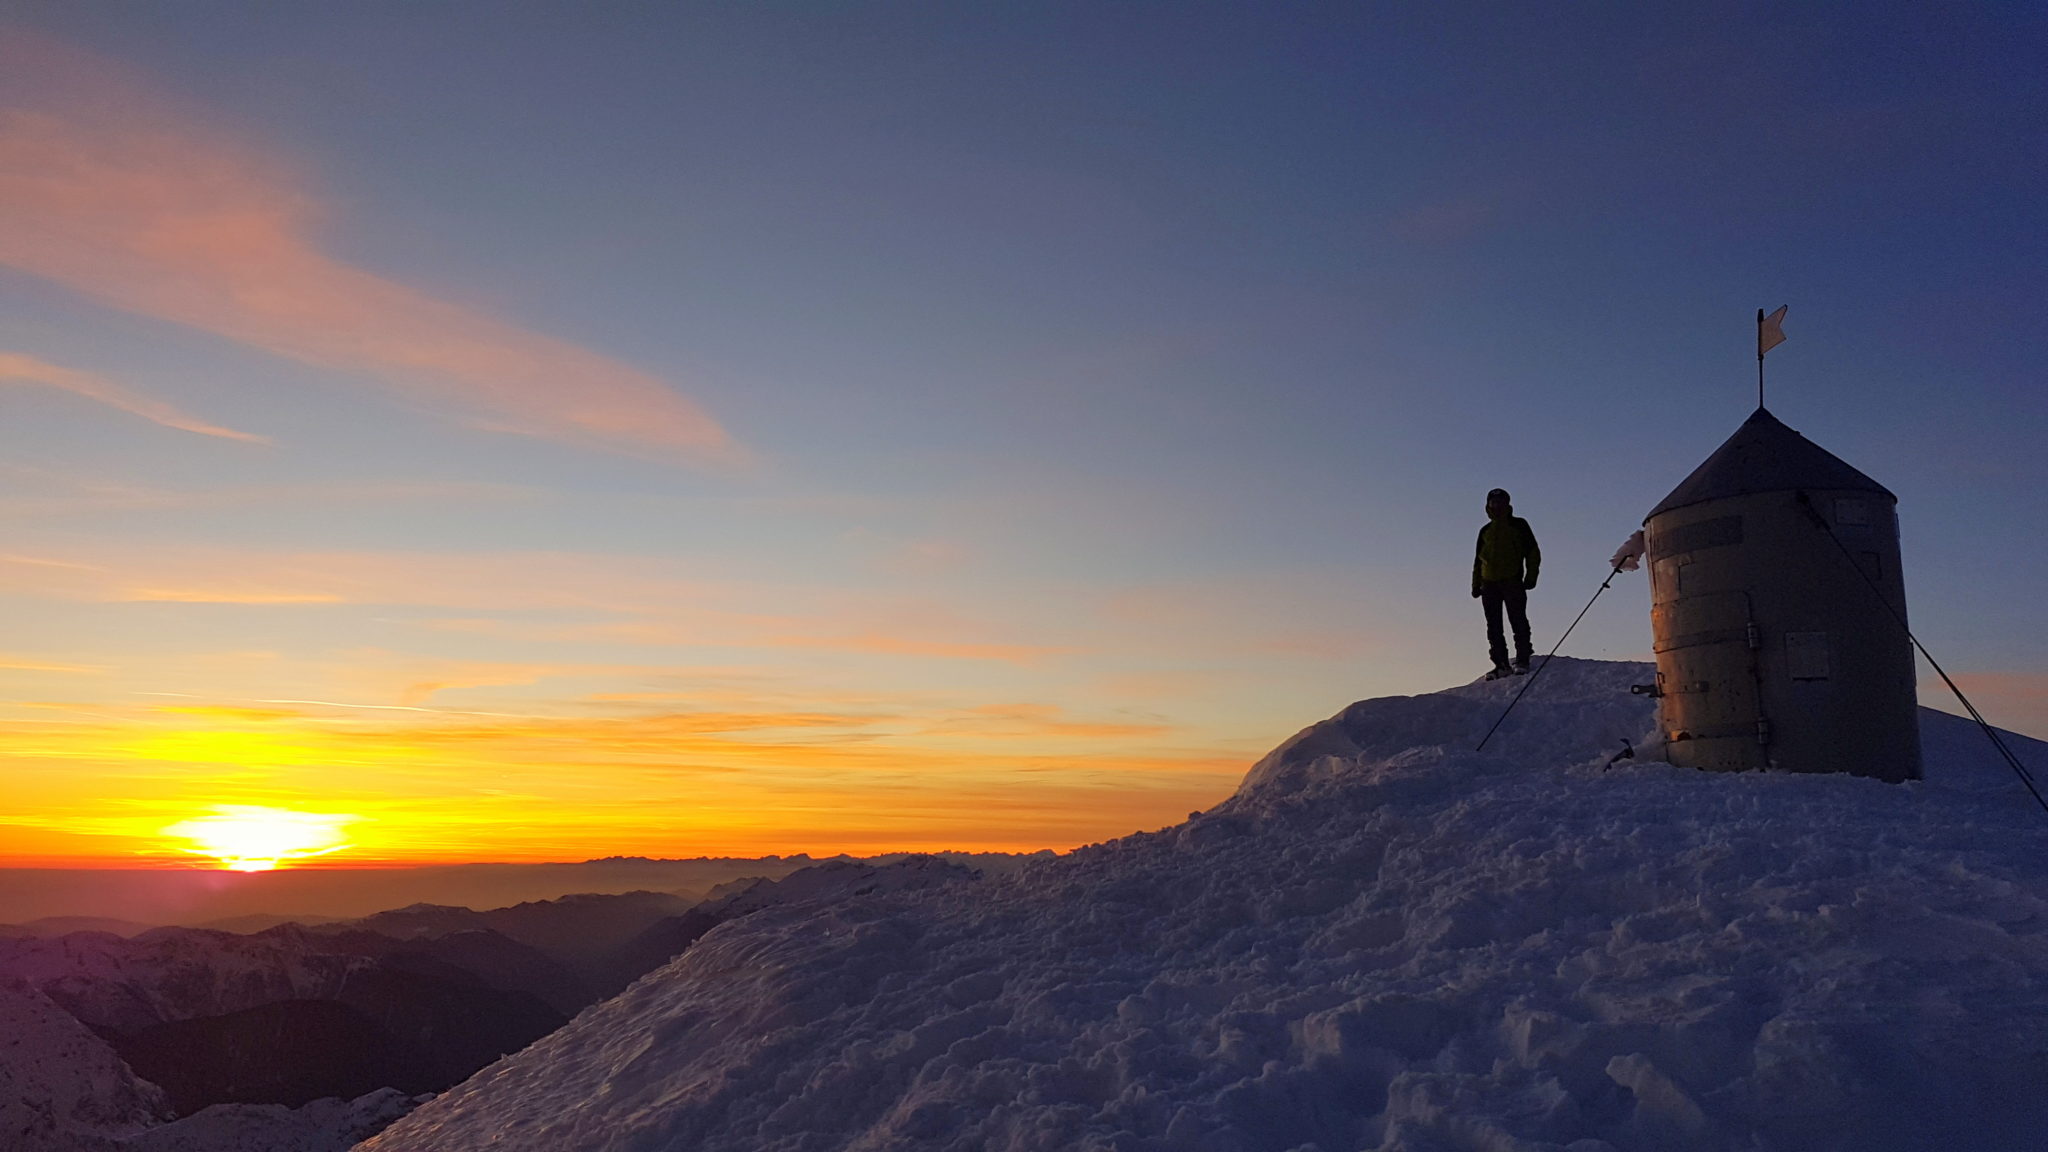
[(1136, 369)]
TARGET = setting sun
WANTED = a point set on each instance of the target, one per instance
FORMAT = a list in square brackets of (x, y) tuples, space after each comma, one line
[(253, 839)]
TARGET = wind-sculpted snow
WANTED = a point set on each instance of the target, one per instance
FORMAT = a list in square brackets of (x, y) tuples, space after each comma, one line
[(1384, 941), (331, 1125)]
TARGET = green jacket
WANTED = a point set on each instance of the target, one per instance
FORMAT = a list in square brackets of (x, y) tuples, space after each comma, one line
[(1507, 552)]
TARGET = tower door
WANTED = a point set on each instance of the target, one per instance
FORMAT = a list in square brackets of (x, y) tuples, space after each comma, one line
[(1706, 668)]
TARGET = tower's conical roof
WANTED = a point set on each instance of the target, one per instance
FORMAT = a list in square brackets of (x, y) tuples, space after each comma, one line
[(1765, 456)]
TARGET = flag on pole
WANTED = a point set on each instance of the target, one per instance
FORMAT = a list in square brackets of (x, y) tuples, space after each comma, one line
[(1770, 330)]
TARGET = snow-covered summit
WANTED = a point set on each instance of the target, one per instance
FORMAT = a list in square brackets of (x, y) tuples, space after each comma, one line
[(1575, 710), (1385, 940)]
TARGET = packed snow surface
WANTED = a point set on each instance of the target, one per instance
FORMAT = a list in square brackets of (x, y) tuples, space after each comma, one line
[(322, 1126), (1383, 941)]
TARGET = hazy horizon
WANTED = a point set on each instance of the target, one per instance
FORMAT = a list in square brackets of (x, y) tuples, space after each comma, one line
[(195, 896)]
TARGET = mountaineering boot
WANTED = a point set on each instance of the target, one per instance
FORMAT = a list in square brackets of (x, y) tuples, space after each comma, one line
[(1500, 670), (1521, 665)]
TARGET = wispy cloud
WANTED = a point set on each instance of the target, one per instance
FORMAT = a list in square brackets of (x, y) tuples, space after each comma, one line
[(485, 582), (18, 369), (49, 562), (936, 639), (227, 596), (1009, 721), (230, 712), (1159, 684), (883, 644), (31, 490), (20, 664), (106, 190)]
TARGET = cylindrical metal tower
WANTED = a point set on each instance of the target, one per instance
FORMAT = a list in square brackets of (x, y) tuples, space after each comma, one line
[(1772, 649)]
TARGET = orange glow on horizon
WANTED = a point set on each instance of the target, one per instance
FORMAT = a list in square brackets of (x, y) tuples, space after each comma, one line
[(604, 778)]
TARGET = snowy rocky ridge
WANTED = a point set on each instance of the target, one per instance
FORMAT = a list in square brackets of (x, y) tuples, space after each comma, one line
[(1384, 940), (60, 1085)]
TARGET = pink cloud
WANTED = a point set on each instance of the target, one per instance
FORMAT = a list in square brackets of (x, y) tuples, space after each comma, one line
[(487, 582), (106, 190), (29, 370), (554, 597), (1007, 721)]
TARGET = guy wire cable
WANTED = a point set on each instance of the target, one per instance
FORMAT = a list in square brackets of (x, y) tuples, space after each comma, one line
[(2019, 769)]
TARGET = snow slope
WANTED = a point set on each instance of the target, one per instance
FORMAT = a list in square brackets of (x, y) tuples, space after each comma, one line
[(1383, 941), (321, 1126), (62, 1088)]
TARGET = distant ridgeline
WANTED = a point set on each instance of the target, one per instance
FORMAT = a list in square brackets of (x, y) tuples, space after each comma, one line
[(242, 902), (416, 998)]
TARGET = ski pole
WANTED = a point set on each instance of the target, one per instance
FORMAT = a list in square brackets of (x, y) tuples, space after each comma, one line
[(1531, 682)]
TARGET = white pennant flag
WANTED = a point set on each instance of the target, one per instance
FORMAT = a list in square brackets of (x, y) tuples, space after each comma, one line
[(1770, 330)]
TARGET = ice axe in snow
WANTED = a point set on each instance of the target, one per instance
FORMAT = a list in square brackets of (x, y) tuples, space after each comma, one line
[(1628, 559)]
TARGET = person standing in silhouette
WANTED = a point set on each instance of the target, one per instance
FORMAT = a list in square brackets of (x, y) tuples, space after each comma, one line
[(1503, 570)]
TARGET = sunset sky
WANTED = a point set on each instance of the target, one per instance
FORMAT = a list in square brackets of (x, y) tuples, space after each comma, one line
[(539, 432)]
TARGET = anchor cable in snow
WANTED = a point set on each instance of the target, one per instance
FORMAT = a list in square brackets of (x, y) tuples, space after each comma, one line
[(1531, 681), (1998, 742)]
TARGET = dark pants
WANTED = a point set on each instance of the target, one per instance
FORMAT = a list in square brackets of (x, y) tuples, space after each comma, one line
[(1493, 596)]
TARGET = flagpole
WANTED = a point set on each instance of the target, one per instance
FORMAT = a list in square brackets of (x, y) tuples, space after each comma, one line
[(1769, 334)]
